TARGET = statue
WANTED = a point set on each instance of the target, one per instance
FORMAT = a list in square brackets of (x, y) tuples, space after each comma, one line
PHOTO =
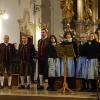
[(67, 9), (25, 25), (88, 9)]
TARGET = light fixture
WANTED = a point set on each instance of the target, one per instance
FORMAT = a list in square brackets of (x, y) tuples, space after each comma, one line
[(5, 16)]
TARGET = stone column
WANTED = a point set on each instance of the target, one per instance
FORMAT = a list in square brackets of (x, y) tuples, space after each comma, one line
[(95, 12), (56, 19), (46, 14), (80, 9), (36, 21)]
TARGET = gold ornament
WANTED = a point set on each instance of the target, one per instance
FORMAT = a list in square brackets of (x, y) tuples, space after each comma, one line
[(67, 9)]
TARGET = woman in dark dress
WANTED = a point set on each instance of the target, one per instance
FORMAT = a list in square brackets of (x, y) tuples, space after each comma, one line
[(93, 49), (53, 63), (71, 62), (15, 60), (81, 69)]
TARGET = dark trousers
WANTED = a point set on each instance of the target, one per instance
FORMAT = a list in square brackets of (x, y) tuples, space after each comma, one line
[(25, 68), (51, 81), (6, 66), (43, 67), (71, 82), (85, 83), (93, 84), (89, 84), (33, 64)]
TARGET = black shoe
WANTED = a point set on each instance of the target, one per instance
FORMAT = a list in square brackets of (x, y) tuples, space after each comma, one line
[(94, 90), (40, 87), (22, 87), (28, 87), (82, 90), (50, 89), (89, 90)]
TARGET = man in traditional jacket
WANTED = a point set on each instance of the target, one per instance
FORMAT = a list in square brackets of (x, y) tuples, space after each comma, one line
[(26, 53), (42, 58), (6, 53)]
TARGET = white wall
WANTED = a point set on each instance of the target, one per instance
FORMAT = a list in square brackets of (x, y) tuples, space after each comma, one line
[(15, 10), (56, 18), (10, 26)]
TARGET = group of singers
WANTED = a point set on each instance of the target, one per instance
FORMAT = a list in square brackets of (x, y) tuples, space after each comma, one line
[(84, 66)]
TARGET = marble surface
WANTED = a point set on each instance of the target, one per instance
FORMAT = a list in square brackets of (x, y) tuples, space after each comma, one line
[(33, 92)]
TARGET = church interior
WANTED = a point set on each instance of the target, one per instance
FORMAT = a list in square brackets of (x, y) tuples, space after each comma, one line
[(50, 49)]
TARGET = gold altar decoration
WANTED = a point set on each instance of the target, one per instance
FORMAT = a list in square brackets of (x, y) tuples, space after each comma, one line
[(67, 9), (87, 21), (88, 9)]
